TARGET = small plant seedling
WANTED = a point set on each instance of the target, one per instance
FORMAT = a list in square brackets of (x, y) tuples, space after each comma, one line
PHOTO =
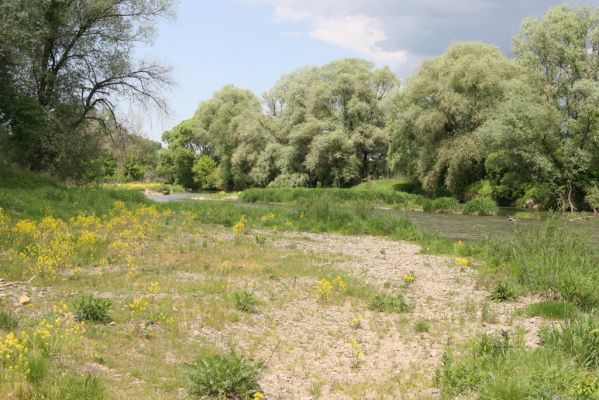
[(245, 301)]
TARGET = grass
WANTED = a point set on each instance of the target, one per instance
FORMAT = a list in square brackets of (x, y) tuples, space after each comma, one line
[(551, 309), (91, 308), (481, 205), (195, 285)]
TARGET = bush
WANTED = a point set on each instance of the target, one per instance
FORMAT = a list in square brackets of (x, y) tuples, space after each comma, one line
[(224, 376), (290, 181), (388, 303), (441, 205), (481, 206), (91, 308), (245, 301)]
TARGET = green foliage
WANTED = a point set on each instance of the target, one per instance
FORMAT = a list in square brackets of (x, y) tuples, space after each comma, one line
[(63, 66), (223, 375), (91, 308), (8, 322), (592, 197), (549, 259), (503, 292), (422, 326), (495, 368), (446, 205), (433, 122), (70, 386), (245, 301), (480, 206), (578, 337), (388, 303), (552, 309), (205, 173)]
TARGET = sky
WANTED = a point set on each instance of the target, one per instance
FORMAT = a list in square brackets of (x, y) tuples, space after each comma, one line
[(252, 43)]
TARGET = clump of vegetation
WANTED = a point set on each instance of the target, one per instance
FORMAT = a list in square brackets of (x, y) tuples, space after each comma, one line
[(445, 205), (228, 376), (551, 309), (503, 292), (422, 326), (8, 321), (481, 206), (578, 337), (245, 301), (91, 308), (388, 303)]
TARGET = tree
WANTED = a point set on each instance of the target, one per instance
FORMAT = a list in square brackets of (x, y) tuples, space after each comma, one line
[(547, 131), (432, 123), (204, 172), (230, 115), (72, 60)]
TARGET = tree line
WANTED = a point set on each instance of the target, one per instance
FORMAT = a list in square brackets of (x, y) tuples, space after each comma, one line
[(471, 121)]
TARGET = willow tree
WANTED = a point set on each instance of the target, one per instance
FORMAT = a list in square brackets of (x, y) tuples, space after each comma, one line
[(433, 121), (544, 141), (344, 100)]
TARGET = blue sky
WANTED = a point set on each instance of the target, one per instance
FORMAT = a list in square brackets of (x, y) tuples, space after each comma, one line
[(251, 43)]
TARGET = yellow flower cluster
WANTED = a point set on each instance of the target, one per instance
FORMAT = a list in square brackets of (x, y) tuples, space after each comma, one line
[(326, 287), (154, 288), (258, 396), (47, 247), (356, 323), (462, 261), (139, 305), (239, 227), (13, 353), (61, 329), (357, 353), (267, 217), (50, 335), (408, 279)]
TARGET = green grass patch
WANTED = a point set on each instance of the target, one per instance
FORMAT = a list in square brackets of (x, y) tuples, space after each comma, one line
[(481, 205), (551, 309)]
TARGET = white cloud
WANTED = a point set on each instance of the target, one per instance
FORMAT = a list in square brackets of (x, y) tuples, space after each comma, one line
[(359, 33)]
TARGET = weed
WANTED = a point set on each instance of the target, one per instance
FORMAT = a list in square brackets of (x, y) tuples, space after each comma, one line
[(503, 292), (91, 308), (422, 326), (8, 321), (260, 239), (223, 375), (388, 303), (245, 301)]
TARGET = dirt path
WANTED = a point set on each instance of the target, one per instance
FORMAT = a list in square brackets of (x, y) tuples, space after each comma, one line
[(314, 356)]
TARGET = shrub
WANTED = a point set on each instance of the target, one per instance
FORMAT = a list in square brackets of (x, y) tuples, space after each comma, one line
[(551, 309), (441, 205), (91, 308), (503, 292), (388, 303), (224, 376), (245, 301), (481, 206)]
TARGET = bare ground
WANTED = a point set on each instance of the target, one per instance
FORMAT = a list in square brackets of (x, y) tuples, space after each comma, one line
[(308, 345)]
